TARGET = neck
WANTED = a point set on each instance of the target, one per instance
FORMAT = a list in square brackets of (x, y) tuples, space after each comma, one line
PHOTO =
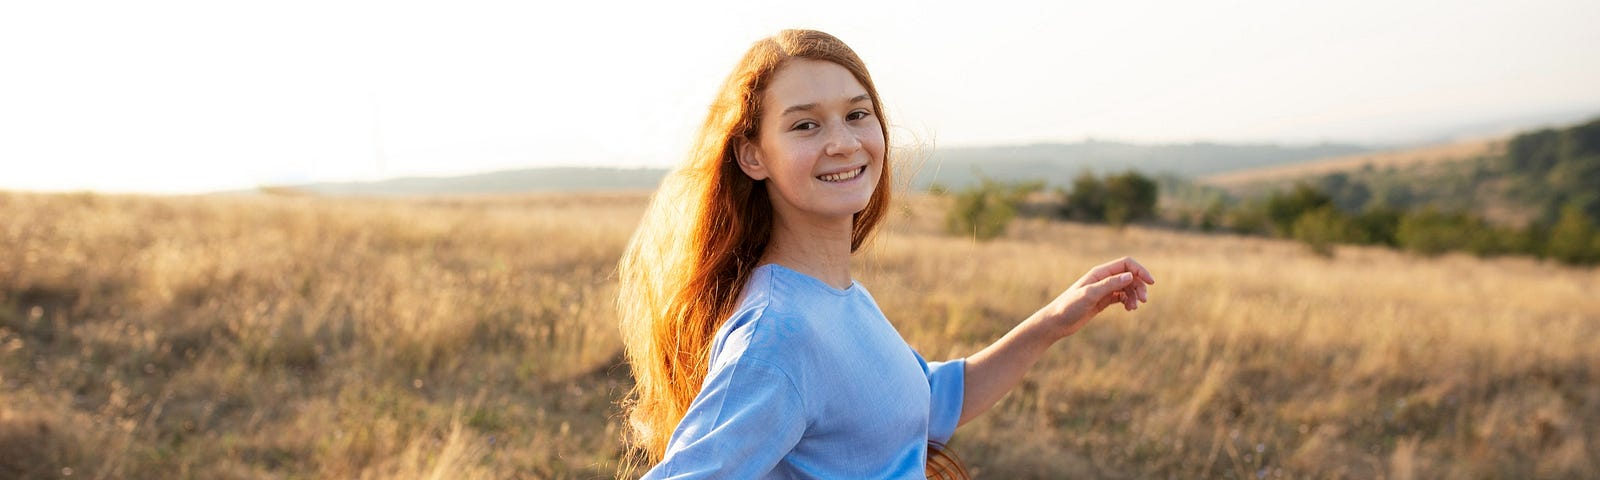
[(815, 247)]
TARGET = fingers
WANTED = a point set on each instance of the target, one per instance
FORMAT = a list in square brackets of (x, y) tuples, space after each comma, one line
[(1114, 284), (1127, 297), (1121, 265), (1128, 264), (1122, 280), (1124, 297), (1125, 288), (1114, 298), (1139, 291), (1127, 301)]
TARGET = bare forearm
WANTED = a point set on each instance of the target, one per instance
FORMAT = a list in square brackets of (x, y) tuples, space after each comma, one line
[(998, 368)]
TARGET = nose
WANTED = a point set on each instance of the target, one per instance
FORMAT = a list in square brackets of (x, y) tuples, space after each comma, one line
[(843, 143)]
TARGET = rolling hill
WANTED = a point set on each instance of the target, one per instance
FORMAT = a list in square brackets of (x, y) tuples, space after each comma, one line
[(1528, 177), (1056, 163), (1460, 172), (1241, 180), (554, 179)]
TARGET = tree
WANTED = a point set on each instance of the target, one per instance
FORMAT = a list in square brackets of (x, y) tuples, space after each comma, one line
[(1534, 152), (1118, 199), (1284, 208), (1249, 218), (1572, 238), (1087, 199), (1431, 232), (1130, 197), (1378, 225), (1212, 217), (984, 210), (1320, 229)]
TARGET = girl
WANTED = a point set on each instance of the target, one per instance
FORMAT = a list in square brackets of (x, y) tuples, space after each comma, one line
[(755, 354)]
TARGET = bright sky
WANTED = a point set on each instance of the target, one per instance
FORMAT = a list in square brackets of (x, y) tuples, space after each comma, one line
[(197, 96)]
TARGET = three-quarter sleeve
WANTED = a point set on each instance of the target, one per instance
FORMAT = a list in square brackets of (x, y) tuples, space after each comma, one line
[(748, 415), (946, 384)]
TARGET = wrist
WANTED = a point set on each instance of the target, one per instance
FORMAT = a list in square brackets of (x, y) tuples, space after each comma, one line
[(1039, 328)]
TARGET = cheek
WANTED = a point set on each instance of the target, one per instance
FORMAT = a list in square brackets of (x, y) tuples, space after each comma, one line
[(873, 143), (790, 161)]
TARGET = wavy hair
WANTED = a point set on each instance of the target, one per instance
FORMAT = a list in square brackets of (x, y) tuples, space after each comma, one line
[(707, 226)]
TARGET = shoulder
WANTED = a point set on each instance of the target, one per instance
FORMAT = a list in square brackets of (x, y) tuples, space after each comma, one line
[(769, 325)]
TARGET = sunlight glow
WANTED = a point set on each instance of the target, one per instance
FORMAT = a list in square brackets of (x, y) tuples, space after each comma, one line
[(202, 96)]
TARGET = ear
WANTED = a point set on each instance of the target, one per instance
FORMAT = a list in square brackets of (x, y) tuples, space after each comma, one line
[(748, 155)]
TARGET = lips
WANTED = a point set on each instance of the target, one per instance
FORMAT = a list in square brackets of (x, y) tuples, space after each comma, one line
[(843, 176)]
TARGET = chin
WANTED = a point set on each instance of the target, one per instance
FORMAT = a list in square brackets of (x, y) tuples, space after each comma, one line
[(858, 207), (857, 200), (843, 207)]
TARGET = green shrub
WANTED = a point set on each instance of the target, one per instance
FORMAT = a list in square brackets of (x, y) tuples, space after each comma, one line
[(1118, 199), (1086, 201), (1211, 218), (1378, 225), (1249, 219), (1431, 232), (1324, 227), (984, 210), (1284, 208), (1130, 197), (1572, 238)]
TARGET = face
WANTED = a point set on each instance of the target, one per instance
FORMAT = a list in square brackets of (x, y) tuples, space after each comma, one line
[(819, 146)]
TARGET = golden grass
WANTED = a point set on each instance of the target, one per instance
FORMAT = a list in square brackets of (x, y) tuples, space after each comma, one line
[(244, 337), (305, 337), (1256, 356)]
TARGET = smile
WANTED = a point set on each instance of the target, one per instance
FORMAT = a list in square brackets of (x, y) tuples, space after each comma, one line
[(843, 176)]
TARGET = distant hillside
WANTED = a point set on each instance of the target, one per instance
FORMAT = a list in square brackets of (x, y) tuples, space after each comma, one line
[(1279, 176), (1058, 163), (1525, 179), (509, 181), (1552, 169), (956, 166)]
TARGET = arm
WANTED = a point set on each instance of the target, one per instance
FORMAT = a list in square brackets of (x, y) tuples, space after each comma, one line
[(746, 419), (998, 368)]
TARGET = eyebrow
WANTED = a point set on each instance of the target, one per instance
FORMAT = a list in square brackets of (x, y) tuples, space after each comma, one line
[(813, 106)]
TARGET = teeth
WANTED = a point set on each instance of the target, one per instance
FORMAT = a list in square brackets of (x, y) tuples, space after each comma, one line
[(841, 176)]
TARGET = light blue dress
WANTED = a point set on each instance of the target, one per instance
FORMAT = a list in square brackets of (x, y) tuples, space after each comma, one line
[(810, 381)]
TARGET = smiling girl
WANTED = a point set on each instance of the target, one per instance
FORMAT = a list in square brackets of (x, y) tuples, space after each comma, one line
[(755, 353)]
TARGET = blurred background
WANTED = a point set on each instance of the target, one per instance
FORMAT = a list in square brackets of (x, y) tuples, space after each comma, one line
[(186, 97), (377, 239)]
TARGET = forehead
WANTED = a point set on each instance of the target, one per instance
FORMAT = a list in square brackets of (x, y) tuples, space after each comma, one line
[(805, 81)]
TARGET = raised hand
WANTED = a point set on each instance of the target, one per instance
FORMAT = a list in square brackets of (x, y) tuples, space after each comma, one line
[(998, 368), (1122, 281)]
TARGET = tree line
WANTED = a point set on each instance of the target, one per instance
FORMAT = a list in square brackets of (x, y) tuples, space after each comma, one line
[(1553, 173), (1309, 215), (983, 210)]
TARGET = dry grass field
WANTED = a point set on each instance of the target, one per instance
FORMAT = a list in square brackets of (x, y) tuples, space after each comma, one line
[(301, 337)]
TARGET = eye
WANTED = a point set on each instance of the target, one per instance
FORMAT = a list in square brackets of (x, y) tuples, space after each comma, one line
[(806, 125), (857, 115)]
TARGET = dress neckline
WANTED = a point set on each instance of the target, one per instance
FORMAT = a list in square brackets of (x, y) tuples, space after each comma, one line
[(854, 285)]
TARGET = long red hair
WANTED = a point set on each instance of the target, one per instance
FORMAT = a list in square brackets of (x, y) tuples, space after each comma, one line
[(706, 228), (704, 231)]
